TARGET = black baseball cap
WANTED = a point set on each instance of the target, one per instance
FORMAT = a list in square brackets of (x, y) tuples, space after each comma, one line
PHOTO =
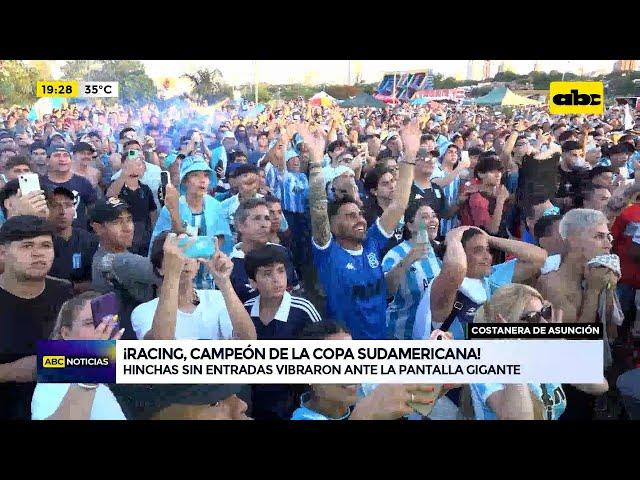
[(142, 402), (107, 210), (83, 147), (570, 145), (36, 146), (62, 191), (56, 148)]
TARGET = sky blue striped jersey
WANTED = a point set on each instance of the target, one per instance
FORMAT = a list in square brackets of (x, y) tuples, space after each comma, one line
[(401, 314)]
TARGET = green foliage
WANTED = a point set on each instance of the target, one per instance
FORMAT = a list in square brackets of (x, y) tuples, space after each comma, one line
[(17, 83), (208, 85), (135, 86)]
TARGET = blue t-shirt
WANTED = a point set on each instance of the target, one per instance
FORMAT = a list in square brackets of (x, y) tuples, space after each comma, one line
[(401, 314), (354, 284), (550, 394)]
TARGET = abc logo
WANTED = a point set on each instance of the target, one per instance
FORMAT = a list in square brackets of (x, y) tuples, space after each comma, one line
[(53, 361), (576, 98)]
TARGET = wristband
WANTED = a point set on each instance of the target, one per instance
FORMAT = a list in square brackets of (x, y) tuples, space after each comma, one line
[(88, 386)]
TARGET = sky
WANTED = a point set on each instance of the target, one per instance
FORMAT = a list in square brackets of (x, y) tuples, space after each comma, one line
[(238, 72)]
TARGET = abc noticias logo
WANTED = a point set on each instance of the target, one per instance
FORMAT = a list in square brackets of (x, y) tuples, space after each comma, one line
[(62, 361), (580, 98)]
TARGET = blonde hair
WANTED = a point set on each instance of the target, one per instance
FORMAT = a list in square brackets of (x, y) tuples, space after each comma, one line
[(69, 311), (509, 301)]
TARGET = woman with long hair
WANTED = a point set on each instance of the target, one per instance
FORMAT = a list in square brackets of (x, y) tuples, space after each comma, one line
[(516, 303)]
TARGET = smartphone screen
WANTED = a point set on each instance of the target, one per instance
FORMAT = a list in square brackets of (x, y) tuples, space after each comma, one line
[(203, 247), (104, 306)]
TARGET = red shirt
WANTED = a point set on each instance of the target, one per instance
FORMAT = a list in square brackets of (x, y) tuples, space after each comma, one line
[(623, 229), (476, 211)]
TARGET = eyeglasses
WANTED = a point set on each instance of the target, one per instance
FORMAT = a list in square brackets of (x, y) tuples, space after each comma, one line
[(545, 313)]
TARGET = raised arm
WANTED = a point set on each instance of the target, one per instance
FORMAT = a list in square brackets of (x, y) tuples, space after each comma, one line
[(505, 156), (530, 258), (221, 267), (320, 230), (394, 276), (445, 285), (461, 167), (411, 140), (164, 319)]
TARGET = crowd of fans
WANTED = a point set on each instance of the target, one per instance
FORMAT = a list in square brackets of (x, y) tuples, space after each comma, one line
[(327, 223)]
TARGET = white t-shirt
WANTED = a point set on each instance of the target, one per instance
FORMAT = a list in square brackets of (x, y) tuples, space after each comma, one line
[(47, 397), (209, 321)]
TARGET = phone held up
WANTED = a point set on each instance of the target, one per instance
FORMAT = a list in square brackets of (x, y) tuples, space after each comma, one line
[(104, 306), (203, 247), (29, 182)]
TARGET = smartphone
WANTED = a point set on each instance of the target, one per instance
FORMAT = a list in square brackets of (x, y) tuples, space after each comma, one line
[(104, 306), (165, 178), (29, 182), (464, 155), (203, 247)]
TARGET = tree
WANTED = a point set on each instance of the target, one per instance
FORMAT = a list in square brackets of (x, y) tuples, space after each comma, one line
[(17, 83), (207, 85), (135, 86), (79, 69)]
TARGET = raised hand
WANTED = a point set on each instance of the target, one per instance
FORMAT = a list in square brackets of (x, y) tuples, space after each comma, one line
[(33, 203), (171, 198), (220, 266), (106, 329), (316, 144), (389, 402), (410, 135)]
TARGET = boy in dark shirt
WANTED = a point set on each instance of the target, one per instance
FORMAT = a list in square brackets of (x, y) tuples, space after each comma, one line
[(30, 303)]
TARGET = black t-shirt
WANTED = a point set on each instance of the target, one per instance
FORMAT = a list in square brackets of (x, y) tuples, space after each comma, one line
[(22, 323), (434, 197), (141, 204), (73, 258), (84, 196)]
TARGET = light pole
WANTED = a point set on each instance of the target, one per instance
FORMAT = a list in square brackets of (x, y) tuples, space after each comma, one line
[(255, 79)]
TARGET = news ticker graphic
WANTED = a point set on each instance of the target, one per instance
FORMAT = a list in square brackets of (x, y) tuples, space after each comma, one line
[(72, 361), (331, 362), (73, 88), (567, 331)]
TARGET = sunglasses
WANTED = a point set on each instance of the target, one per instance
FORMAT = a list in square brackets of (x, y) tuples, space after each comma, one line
[(545, 313)]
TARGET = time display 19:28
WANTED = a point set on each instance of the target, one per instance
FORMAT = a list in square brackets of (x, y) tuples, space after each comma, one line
[(57, 89)]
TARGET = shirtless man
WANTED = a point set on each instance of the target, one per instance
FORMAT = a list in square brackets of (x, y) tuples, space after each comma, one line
[(82, 158), (586, 235)]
